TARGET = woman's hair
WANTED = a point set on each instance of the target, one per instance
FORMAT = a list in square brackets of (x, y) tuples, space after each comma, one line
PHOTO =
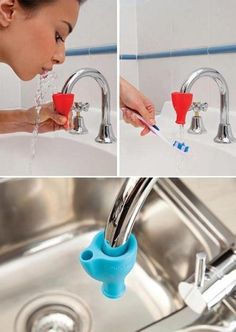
[(34, 4)]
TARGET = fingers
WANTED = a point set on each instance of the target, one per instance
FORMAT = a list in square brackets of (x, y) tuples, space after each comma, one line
[(130, 117), (147, 114), (132, 98), (145, 131), (47, 112), (49, 125), (58, 119)]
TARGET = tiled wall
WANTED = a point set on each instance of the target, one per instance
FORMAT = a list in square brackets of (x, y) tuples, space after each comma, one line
[(10, 91), (96, 27), (167, 27), (128, 40)]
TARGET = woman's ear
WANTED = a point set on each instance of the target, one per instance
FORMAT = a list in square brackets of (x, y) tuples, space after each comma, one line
[(7, 8)]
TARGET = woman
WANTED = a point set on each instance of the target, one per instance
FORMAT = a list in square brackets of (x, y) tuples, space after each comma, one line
[(32, 41)]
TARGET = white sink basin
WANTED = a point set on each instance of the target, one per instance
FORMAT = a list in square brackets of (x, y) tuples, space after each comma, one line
[(54, 156), (59, 153), (150, 155)]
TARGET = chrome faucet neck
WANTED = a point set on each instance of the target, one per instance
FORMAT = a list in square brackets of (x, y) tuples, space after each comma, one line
[(224, 134), (105, 134), (129, 201), (217, 282)]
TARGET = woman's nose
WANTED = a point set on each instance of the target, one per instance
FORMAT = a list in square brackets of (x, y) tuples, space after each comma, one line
[(59, 56)]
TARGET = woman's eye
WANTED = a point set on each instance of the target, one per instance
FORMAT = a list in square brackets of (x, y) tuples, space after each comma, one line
[(58, 37)]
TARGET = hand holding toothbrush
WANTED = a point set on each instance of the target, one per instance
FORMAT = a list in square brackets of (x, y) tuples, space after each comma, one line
[(131, 98)]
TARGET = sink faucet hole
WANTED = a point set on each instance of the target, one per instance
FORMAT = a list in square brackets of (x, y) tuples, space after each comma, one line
[(87, 255)]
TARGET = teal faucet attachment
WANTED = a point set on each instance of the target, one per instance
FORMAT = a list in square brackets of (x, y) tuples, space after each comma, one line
[(109, 265)]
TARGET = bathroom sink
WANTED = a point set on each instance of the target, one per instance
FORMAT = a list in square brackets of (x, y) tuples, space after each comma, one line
[(205, 328), (60, 155), (150, 155), (42, 282)]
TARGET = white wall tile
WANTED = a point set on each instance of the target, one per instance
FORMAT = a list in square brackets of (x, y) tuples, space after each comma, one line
[(96, 24), (190, 24), (128, 27), (154, 80), (154, 23), (10, 94), (129, 71), (222, 22)]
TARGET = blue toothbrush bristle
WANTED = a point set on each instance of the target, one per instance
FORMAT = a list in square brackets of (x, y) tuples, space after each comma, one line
[(181, 146)]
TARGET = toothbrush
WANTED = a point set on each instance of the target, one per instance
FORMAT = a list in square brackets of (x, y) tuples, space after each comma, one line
[(156, 131)]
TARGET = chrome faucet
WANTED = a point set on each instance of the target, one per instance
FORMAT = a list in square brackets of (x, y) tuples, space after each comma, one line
[(224, 134), (212, 284), (105, 134), (129, 201)]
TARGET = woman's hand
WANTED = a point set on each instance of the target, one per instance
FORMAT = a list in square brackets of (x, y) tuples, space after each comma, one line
[(12, 121), (131, 98), (49, 120)]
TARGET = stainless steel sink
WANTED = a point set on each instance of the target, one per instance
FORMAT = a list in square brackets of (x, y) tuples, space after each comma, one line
[(204, 328), (46, 223)]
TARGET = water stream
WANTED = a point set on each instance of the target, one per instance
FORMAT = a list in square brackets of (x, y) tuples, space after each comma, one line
[(46, 87), (180, 157)]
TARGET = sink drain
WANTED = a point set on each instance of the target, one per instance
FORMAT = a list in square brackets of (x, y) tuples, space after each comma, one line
[(54, 312), (54, 318)]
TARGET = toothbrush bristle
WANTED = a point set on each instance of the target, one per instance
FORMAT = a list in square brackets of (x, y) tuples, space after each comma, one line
[(181, 146)]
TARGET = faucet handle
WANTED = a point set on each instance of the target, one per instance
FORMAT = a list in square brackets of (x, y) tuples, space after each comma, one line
[(81, 107), (198, 107), (77, 120), (197, 126), (200, 269)]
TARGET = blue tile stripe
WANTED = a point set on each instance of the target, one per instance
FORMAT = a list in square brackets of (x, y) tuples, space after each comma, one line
[(106, 49), (184, 52), (128, 57)]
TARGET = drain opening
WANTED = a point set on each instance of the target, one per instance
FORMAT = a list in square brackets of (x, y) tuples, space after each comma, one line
[(54, 318), (54, 312)]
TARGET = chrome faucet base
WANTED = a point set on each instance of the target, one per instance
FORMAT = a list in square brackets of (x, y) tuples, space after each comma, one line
[(224, 134), (79, 126), (105, 135), (197, 126)]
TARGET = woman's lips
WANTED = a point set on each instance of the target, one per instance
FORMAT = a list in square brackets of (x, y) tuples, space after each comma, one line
[(45, 71)]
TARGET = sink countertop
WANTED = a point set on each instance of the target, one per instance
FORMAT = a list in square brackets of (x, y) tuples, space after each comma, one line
[(151, 155)]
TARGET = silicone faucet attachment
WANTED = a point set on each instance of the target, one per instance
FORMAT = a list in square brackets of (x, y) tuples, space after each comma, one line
[(181, 102), (109, 265), (63, 102)]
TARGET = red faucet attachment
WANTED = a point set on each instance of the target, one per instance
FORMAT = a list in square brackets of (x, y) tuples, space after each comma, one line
[(181, 102)]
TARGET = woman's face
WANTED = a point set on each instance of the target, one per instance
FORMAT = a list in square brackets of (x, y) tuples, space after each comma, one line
[(36, 40)]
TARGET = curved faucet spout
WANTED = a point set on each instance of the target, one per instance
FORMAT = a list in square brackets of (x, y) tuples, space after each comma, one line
[(105, 134), (224, 134), (128, 203)]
